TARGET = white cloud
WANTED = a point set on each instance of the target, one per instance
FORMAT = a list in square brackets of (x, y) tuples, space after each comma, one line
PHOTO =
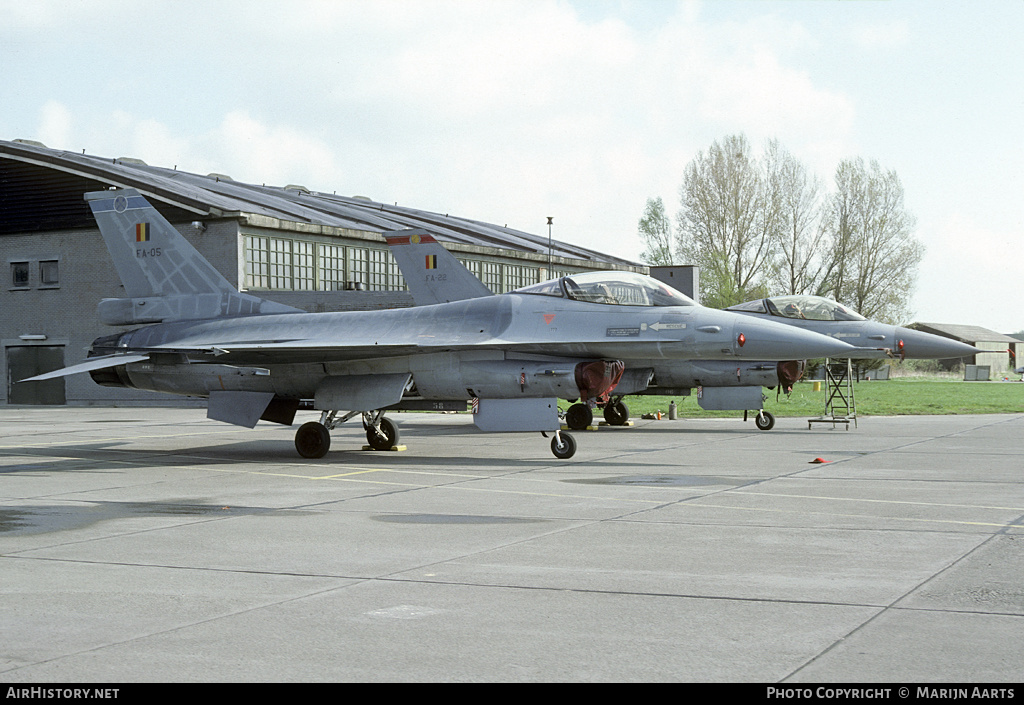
[(502, 111), (55, 125), (969, 274), (888, 35), (272, 154)]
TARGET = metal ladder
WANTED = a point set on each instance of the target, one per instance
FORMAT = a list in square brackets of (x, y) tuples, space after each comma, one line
[(840, 405)]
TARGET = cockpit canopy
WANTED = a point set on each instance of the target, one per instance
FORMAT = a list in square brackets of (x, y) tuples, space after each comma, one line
[(614, 288), (811, 308)]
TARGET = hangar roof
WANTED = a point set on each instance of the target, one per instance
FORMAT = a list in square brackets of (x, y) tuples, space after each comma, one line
[(41, 189)]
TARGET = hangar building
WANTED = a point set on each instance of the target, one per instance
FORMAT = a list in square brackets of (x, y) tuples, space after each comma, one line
[(1000, 353), (311, 250)]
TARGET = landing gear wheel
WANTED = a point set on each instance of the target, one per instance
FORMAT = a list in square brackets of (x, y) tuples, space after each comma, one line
[(616, 414), (385, 441), (563, 446), (312, 440), (764, 421), (578, 417)]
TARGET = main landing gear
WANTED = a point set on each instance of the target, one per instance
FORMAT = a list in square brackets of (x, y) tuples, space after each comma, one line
[(313, 439), (616, 413), (381, 432), (581, 415)]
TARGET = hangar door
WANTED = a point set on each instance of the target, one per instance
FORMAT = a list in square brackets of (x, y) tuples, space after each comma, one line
[(27, 361)]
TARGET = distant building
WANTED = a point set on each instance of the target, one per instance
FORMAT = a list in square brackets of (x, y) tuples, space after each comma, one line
[(684, 278), (312, 250), (1002, 352)]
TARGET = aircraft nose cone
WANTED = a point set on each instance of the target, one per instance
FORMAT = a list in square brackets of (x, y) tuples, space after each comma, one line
[(767, 340), (926, 346)]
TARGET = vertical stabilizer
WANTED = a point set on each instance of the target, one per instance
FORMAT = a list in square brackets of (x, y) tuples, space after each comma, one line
[(165, 278), (433, 274)]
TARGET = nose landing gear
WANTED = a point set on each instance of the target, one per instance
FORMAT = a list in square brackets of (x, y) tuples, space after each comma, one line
[(563, 445)]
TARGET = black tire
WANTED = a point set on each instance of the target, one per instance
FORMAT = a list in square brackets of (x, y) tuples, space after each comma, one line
[(390, 431), (764, 421), (566, 449), (616, 414), (579, 416), (312, 440)]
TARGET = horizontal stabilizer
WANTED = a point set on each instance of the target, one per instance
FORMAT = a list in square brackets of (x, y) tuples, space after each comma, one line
[(95, 363)]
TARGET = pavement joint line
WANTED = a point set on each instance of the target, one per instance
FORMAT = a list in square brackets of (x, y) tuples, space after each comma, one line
[(1001, 525), (362, 579), (690, 501), (119, 439), (877, 501), (347, 477)]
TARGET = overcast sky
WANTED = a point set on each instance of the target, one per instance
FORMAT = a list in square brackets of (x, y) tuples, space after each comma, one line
[(510, 112)]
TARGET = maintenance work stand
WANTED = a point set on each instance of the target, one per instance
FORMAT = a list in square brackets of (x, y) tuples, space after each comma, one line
[(840, 406)]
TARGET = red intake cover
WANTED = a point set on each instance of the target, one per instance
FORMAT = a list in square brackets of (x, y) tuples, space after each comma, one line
[(790, 372), (597, 379)]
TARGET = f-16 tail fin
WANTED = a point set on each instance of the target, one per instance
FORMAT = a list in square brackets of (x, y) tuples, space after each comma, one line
[(165, 278), (433, 274)]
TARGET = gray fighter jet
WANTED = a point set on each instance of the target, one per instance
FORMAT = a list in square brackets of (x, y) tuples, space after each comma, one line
[(513, 354), (871, 339), (434, 276)]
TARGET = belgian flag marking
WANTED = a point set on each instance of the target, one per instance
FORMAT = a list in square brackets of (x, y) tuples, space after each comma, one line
[(142, 232), (431, 261)]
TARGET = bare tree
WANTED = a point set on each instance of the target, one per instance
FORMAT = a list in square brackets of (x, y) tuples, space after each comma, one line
[(875, 255), (655, 230), (802, 240), (726, 222), (761, 226)]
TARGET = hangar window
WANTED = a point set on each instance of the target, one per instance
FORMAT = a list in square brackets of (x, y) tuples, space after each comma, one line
[(280, 263), (257, 262), (302, 265), (358, 264), (19, 275), (517, 276), (305, 265), (475, 266), (49, 273), (384, 272), (330, 267), (559, 273), (501, 278), (490, 275)]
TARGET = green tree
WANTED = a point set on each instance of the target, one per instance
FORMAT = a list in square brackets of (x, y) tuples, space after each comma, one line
[(874, 254), (802, 252), (762, 226), (655, 230), (727, 220)]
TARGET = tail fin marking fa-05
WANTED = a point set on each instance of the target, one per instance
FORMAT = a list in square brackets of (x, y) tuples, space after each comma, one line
[(165, 278), (433, 273)]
